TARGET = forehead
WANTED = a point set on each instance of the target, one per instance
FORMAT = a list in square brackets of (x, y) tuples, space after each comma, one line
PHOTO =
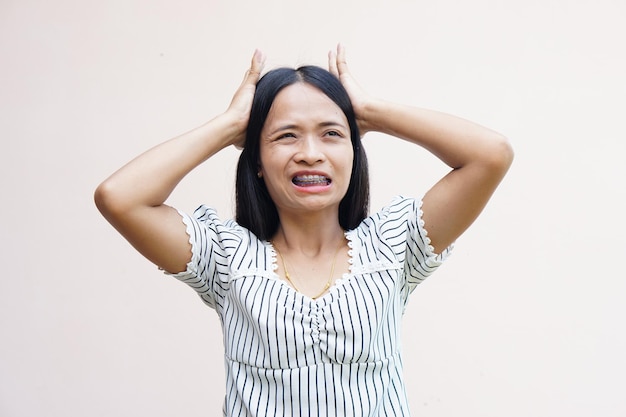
[(302, 103)]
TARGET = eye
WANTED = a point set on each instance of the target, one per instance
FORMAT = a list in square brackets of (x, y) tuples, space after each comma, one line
[(285, 136), (334, 133)]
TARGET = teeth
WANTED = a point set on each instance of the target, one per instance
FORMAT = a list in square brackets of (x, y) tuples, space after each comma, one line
[(311, 180)]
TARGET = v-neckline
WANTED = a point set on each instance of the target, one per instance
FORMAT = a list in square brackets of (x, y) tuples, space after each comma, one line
[(335, 286)]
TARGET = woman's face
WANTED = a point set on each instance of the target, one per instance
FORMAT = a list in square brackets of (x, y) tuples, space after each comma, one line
[(306, 152)]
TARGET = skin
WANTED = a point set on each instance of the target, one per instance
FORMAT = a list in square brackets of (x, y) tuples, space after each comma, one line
[(306, 133), (309, 236)]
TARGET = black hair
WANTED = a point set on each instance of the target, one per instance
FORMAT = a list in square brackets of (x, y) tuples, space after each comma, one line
[(255, 209)]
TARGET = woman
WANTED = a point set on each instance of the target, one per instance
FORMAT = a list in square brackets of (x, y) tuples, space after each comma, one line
[(309, 290)]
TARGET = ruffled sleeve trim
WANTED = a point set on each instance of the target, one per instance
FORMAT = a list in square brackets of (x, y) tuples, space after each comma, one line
[(430, 250), (191, 269), (198, 275)]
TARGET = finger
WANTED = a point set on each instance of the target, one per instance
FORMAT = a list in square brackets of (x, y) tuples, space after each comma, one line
[(332, 63), (258, 62), (256, 67), (342, 64)]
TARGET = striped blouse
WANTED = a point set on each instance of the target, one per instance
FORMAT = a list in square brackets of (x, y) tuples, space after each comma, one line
[(289, 355)]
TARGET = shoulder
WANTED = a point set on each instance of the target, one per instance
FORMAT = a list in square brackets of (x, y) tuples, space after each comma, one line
[(383, 235), (223, 246), (207, 229), (208, 217), (395, 214)]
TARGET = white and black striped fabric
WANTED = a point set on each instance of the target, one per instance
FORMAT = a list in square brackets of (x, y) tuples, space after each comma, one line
[(289, 355)]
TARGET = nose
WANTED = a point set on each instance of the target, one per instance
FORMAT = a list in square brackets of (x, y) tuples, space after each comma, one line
[(310, 151)]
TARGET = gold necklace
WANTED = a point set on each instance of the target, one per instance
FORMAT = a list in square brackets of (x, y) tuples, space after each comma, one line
[(330, 277)]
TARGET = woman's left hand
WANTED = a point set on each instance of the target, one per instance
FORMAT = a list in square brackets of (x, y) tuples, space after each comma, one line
[(338, 66), (479, 157)]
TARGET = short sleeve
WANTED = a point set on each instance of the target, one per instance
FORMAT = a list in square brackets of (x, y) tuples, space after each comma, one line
[(211, 245), (404, 229)]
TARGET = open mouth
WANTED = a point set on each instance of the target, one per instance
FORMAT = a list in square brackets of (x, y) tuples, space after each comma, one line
[(310, 180)]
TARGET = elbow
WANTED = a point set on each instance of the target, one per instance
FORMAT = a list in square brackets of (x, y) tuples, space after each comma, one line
[(507, 153), (107, 200), (102, 198), (500, 156)]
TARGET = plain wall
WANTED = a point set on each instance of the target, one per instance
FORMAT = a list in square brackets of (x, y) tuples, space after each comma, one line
[(525, 319)]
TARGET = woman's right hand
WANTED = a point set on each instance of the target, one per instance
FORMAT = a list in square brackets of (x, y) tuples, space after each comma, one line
[(240, 106), (133, 198)]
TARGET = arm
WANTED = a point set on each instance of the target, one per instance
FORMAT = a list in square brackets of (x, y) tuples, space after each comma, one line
[(132, 199), (479, 157)]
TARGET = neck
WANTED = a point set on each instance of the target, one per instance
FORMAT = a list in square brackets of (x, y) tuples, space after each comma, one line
[(311, 234)]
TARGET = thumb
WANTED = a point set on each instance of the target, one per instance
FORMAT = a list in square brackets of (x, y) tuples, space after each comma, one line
[(256, 67)]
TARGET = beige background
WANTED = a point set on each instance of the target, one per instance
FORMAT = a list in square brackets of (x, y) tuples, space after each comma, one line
[(527, 317)]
